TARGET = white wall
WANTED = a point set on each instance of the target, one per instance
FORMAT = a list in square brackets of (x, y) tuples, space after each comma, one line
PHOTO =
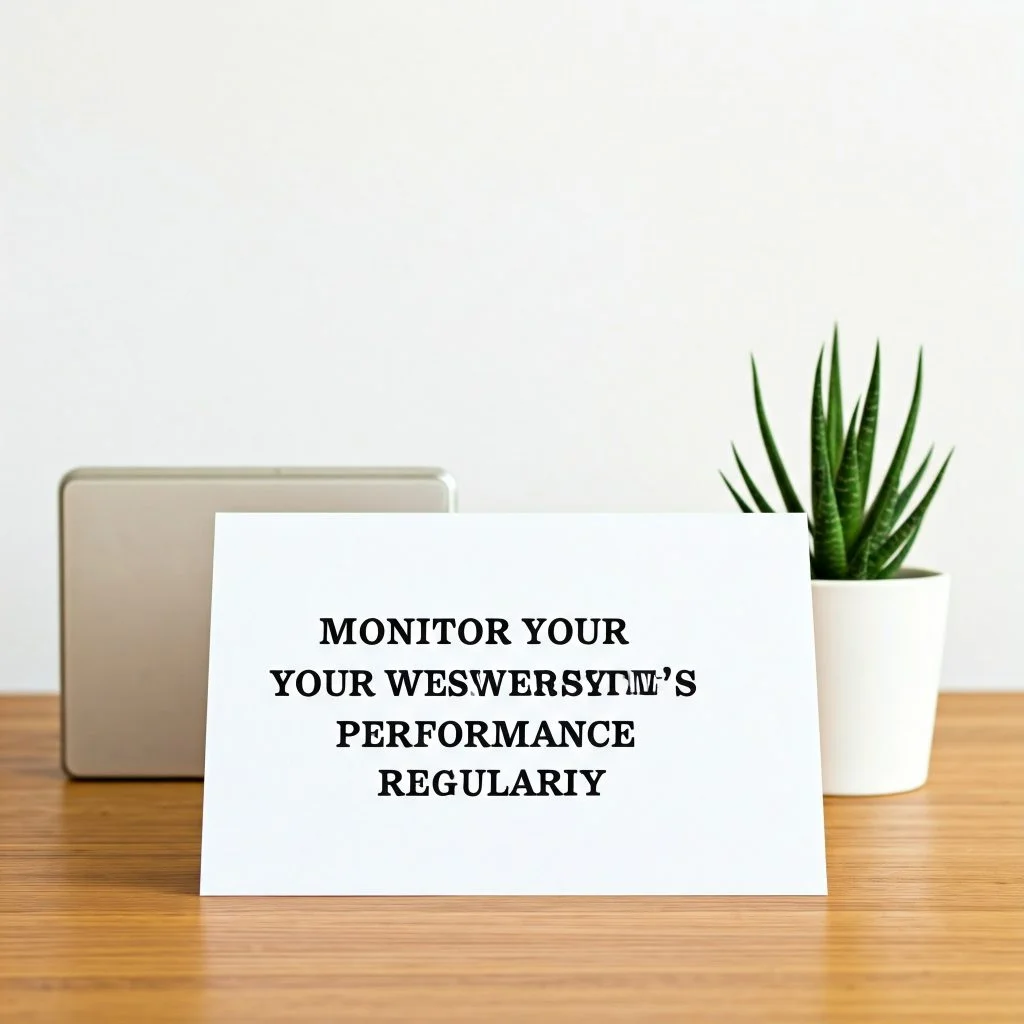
[(532, 242)]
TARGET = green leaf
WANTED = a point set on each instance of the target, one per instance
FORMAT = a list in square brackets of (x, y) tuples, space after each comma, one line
[(834, 416), (732, 490), (897, 542), (879, 518), (908, 492), (869, 426), (893, 567), (848, 496), (789, 498), (758, 497), (857, 569), (829, 548)]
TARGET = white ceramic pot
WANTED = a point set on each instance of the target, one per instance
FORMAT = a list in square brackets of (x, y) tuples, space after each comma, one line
[(878, 647)]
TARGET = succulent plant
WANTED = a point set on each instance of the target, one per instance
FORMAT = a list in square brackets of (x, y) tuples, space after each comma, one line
[(851, 538)]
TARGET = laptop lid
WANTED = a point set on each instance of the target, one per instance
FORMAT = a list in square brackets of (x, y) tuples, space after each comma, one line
[(136, 567)]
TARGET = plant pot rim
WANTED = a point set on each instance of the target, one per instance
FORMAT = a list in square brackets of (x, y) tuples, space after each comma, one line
[(908, 577)]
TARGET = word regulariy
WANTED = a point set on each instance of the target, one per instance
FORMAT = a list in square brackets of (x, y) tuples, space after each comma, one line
[(474, 782)]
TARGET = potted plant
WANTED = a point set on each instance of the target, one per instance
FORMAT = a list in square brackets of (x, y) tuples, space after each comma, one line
[(879, 626)]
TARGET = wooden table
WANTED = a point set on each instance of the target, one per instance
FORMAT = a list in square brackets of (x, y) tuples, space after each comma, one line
[(99, 917)]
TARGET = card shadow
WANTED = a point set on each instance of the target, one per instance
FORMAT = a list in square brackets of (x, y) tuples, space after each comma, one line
[(132, 834)]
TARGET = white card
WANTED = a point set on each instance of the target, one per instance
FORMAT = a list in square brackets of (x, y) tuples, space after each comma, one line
[(654, 731)]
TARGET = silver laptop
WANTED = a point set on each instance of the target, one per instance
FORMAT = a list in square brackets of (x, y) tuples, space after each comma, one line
[(136, 563)]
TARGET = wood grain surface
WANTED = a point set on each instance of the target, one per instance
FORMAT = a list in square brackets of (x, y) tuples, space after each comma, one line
[(100, 917)]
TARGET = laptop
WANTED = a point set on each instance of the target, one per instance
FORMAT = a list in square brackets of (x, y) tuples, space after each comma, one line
[(136, 569)]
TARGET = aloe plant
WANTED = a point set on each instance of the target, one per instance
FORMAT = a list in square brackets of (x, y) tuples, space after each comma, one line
[(852, 538)]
